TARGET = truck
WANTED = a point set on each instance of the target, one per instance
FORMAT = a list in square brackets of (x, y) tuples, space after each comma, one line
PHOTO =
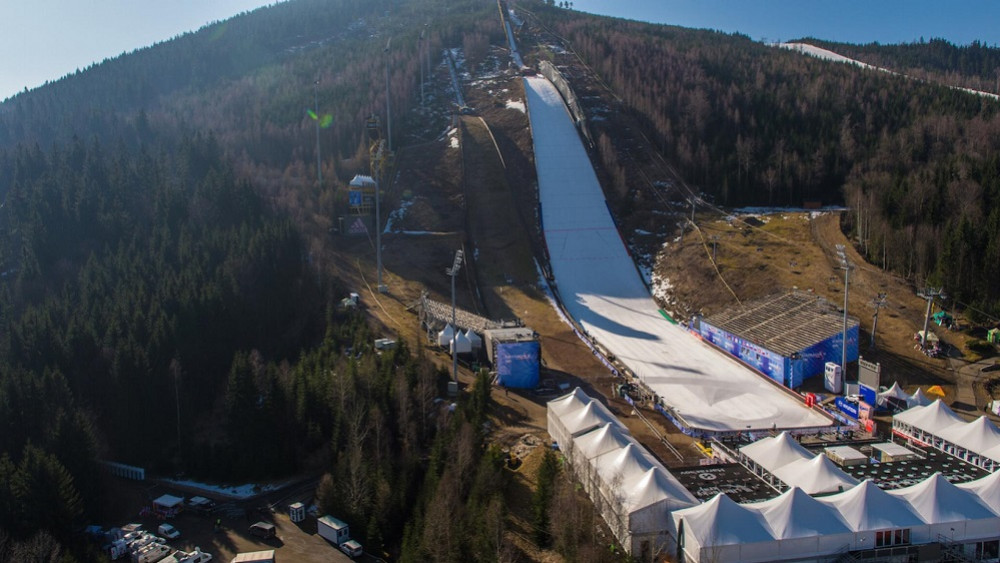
[(333, 530), (337, 532)]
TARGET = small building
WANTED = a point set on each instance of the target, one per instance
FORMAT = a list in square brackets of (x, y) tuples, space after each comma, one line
[(845, 456), (890, 451), (993, 335), (266, 556), (168, 506), (788, 337)]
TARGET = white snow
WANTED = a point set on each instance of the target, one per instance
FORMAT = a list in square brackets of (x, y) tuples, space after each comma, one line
[(516, 104), (826, 54), (236, 492), (397, 215), (601, 289)]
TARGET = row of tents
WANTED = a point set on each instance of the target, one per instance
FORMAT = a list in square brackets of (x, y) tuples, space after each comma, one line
[(784, 463), (797, 526), (917, 399), (630, 488), (977, 442)]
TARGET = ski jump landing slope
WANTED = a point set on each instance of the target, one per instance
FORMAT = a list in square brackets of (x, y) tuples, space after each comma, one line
[(601, 289)]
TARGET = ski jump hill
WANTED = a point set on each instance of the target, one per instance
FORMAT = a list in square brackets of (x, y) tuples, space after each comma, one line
[(601, 289)]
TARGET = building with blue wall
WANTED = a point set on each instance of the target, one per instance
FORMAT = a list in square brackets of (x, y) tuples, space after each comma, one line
[(788, 337)]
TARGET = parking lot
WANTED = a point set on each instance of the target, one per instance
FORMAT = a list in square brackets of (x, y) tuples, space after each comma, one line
[(294, 541)]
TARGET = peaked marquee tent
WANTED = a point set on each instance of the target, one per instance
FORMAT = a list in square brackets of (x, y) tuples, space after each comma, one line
[(815, 476), (632, 490)]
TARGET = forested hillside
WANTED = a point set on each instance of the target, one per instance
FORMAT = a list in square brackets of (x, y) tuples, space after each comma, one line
[(159, 298), (917, 163), (975, 66)]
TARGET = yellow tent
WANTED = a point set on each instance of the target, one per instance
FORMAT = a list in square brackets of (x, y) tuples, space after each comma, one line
[(935, 390)]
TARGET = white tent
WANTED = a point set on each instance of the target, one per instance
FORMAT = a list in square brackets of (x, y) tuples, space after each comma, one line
[(987, 489), (937, 501), (601, 441), (992, 453), (918, 399), (460, 344), (586, 419), (867, 507), (977, 436), (933, 418), (576, 399), (721, 530), (474, 339), (635, 492), (815, 476), (168, 501), (772, 453), (562, 406), (445, 336), (795, 514), (894, 392)]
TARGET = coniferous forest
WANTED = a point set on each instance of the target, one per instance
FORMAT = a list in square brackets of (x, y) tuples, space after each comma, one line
[(159, 301), (917, 162)]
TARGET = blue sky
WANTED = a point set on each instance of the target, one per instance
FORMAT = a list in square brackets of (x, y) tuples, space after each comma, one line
[(45, 39), (850, 21)]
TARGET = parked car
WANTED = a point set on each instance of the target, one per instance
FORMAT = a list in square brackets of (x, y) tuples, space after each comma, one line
[(263, 530), (168, 531), (352, 548)]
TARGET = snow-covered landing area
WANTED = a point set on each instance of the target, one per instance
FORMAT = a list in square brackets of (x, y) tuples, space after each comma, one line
[(826, 54), (601, 289)]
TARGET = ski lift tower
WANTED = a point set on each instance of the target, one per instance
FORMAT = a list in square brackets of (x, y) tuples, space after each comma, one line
[(379, 161)]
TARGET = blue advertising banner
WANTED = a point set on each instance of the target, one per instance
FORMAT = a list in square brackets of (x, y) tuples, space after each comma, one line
[(758, 357), (847, 407), (517, 364)]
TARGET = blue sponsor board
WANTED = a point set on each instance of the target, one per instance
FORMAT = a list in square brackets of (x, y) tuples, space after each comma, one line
[(867, 394), (788, 371), (517, 364), (354, 198), (847, 407)]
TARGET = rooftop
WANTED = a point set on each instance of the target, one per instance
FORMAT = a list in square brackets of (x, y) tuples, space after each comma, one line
[(785, 323)]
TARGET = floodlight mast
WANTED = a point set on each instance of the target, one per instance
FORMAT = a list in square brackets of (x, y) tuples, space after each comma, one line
[(319, 169), (846, 266), (453, 272)]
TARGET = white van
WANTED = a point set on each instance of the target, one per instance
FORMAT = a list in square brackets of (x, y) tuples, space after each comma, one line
[(352, 548)]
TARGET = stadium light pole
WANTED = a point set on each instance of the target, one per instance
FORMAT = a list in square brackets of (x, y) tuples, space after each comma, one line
[(388, 115), (420, 57), (453, 273), (319, 169), (842, 255), (878, 302)]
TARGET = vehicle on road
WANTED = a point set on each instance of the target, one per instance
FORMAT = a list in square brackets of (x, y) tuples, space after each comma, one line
[(263, 530), (352, 549)]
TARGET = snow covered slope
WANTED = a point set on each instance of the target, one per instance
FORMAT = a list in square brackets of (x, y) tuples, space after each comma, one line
[(601, 289), (826, 54)]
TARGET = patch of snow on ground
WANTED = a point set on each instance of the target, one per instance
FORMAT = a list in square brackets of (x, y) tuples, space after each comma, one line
[(397, 215), (237, 492), (642, 232), (516, 104), (662, 289), (453, 143)]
